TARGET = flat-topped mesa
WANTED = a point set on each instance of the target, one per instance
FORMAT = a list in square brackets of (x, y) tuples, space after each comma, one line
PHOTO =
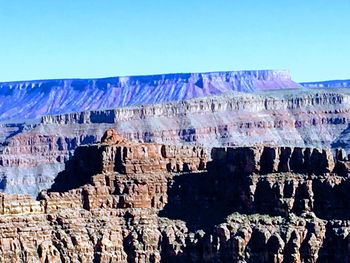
[(126, 91), (266, 159), (344, 83)]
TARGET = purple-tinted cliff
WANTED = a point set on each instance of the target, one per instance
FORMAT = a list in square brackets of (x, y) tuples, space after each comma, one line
[(344, 83), (267, 112), (31, 158), (32, 99)]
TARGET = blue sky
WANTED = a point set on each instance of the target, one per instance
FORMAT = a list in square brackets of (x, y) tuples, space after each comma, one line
[(45, 39)]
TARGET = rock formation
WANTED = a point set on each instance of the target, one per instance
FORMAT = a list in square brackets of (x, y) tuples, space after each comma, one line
[(33, 99), (120, 201), (314, 118), (111, 136)]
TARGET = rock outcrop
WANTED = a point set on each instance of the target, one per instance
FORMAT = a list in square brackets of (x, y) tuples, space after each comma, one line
[(134, 202), (111, 136)]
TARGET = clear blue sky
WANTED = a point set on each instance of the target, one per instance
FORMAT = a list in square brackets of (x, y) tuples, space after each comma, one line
[(41, 39)]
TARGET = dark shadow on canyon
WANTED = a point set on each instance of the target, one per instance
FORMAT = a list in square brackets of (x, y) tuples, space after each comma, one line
[(78, 171), (3, 182), (205, 199), (335, 247), (332, 201), (342, 141), (202, 200)]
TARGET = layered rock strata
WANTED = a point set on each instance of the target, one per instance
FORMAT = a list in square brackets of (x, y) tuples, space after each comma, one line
[(126, 202), (315, 118), (32, 99)]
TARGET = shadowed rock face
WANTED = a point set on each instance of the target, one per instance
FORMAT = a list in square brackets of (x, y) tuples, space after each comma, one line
[(160, 203)]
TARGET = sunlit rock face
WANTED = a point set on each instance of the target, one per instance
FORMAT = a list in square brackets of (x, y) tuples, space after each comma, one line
[(119, 201), (32, 99)]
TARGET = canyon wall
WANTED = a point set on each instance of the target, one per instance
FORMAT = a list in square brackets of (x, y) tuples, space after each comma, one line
[(31, 159), (132, 202), (213, 167), (240, 108), (32, 99)]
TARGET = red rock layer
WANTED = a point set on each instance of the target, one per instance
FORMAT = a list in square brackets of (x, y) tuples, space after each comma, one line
[(252, 204)]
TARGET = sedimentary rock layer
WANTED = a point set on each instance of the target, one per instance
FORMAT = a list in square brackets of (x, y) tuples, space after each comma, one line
[(32, 99), (314, 118), (246, 204)]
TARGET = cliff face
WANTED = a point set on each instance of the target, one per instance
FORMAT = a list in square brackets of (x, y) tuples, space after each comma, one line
[(33, 152), (32, 99), (177, 188), (31, 159), (126, 202)]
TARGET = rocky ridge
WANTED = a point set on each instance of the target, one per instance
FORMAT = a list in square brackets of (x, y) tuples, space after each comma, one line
[(120, 201), (32, 99), (345, 83)]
